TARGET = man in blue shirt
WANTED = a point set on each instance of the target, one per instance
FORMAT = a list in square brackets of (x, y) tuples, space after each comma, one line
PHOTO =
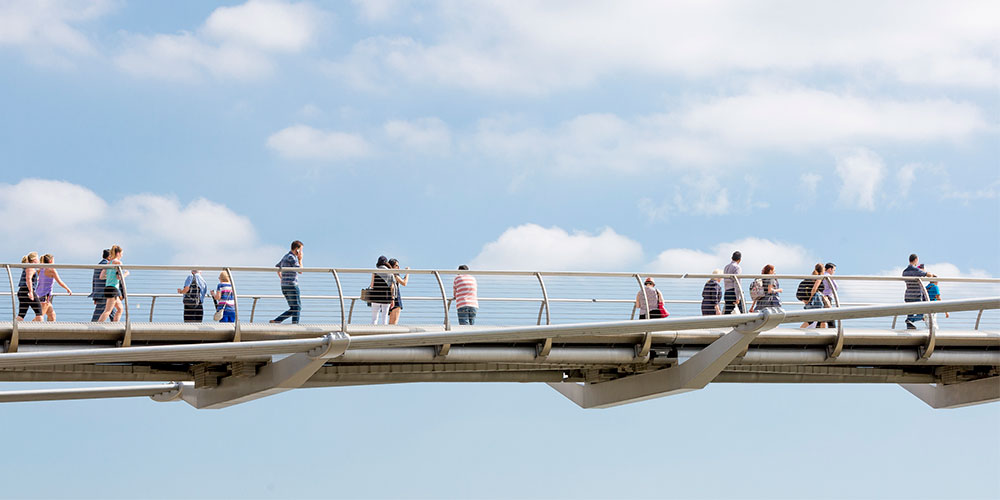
[(290, 283), (97, 289), (914, 290), (194, 300)]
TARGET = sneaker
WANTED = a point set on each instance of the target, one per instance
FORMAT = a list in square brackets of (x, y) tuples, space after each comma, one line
[(910, 325)]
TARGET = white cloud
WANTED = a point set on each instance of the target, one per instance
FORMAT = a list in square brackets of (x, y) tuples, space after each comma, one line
[(268, 25), (46, 30), (786, 257), (603, 142), (425, 135), (74, 224), (539, 47), (377, 10), (810, 182), (725, 130), (533, 247), (302, 142), (799, 118), (861, 173), (234, 42)]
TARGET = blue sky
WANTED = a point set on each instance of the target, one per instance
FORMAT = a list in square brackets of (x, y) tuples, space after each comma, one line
[(628, 136)]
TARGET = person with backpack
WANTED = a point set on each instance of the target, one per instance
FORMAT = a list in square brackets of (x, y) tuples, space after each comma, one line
[(764, 291), (808, 292), (193, 297), (382, 289)]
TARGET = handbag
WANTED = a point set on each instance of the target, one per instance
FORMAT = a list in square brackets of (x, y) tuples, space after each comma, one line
[(218, 313), (662, 309), (366, 294)]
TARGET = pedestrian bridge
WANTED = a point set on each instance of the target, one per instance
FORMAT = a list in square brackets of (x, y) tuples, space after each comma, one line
[(575, 331)]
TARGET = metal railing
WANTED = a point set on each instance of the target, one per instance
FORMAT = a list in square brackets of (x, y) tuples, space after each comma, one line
[(553, 289)]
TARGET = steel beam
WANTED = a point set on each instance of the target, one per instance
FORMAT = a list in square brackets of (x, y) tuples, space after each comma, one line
[(129, 391), (693, 374), (984, 390), (273, 378)]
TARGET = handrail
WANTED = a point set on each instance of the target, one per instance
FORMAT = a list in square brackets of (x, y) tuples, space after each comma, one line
[(236, 306), (127, 340), (444, 300), (844, 277), (14, 337), (928, 349), (340, 296), (838, 347)]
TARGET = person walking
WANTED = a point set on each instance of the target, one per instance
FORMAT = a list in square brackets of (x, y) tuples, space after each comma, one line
[(381, 292), (26, 298), (112, 282), (193, 297), (397, 295), (43, 290), (731, 297), (465, 291), (914, 291), (771, 289), (711, 295), (809, 293), (290, 283), (648, 300), (225, 299), (97, 287)]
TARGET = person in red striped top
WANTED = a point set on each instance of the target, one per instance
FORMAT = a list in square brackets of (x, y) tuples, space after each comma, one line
[(466, 301)]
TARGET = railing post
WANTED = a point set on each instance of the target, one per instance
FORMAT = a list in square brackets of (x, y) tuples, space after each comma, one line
[(253, 308), (444, 300), (642, 350), (127, 341), (350, 313), (543, 349), (978, 318), (742, 306), (545, 299), (928, 349), (838, 346), (340, 295), (236, 307), (14, 336)]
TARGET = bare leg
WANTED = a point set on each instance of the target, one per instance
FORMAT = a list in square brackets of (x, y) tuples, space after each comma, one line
[(108, 307)]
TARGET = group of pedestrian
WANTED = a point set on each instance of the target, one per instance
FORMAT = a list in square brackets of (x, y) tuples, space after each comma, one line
[(34, 289), (814, 293), (720, 295)]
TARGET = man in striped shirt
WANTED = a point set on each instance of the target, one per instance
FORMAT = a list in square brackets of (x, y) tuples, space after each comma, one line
[(466, 302)]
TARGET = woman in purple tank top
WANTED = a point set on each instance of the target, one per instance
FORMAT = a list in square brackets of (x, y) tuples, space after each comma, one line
[(43, 290)]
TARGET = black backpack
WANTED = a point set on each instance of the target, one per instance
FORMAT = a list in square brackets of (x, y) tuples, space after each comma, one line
[(803, 291), (192, 297)]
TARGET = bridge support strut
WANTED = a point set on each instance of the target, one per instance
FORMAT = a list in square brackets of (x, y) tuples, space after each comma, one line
[(984, 390), (273, 378), (693, 374)]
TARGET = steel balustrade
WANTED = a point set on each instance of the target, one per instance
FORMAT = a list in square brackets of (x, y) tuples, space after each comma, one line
[(14, 337), (545, 303)]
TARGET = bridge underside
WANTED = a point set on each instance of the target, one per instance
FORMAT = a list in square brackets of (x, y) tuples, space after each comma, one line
[(594, 367)]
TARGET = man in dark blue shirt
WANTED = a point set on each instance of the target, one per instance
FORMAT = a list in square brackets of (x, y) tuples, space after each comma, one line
[(290, 283), (97, 289), (915, 292)]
